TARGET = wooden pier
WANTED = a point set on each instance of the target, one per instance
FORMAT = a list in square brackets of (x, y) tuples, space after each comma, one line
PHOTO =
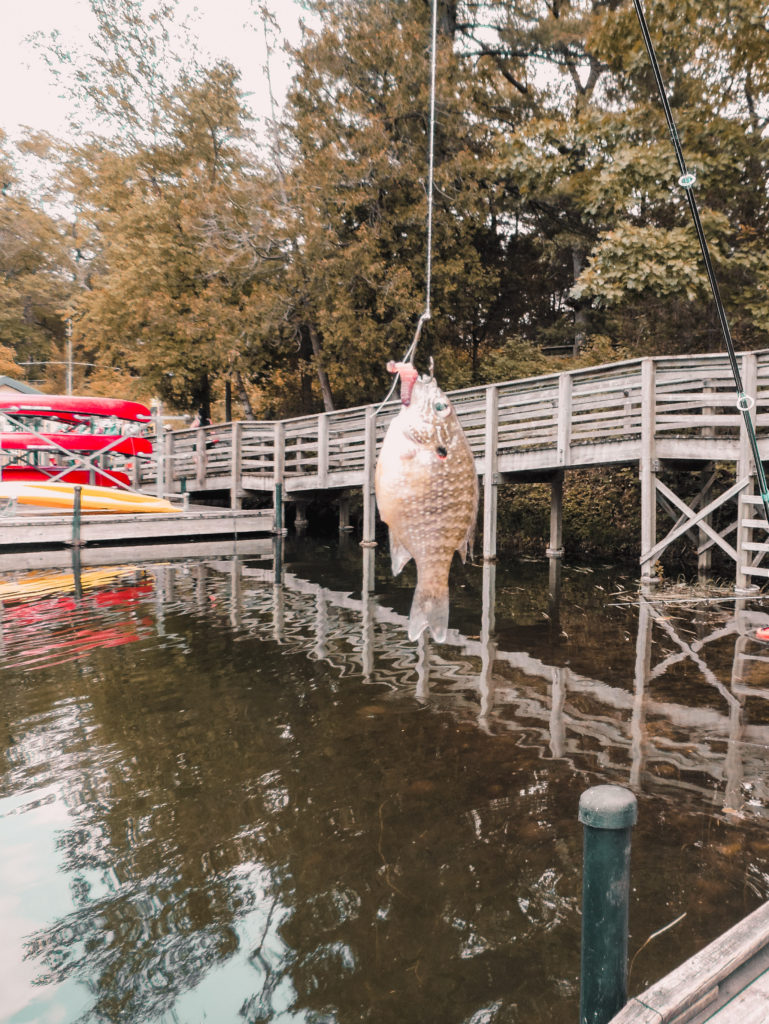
[(667, 416), (658, 413), (26, 532)]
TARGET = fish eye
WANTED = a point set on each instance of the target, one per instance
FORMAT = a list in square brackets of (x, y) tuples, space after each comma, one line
[(441, 406)]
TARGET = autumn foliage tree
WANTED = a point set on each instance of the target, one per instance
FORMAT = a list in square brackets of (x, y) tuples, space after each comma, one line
[(35, 274), (295, 266)]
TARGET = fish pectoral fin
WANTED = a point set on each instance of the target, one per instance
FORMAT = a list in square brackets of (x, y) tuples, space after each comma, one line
[(429, 611), (467, 543), (399, 553)]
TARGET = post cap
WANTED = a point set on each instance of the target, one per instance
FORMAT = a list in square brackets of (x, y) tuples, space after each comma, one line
[(610, 807)]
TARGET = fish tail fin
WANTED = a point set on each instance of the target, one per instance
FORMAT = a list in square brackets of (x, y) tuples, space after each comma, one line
[(429, 610)]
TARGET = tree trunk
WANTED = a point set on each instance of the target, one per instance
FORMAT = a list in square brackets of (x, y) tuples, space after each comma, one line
[(580, 313), (243, 396), (325, 387)]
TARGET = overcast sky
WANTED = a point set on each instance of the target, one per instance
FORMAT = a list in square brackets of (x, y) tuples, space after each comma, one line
[(28, 96)]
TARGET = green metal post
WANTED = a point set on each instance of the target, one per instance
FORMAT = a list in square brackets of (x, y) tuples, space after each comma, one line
[(608, 814), (76, 516), (278, 508)]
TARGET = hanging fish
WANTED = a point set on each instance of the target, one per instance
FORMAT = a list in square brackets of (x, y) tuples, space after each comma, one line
[(427, 493)]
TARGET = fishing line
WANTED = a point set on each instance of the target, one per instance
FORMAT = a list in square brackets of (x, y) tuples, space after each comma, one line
[(409, 355), (687, 180)]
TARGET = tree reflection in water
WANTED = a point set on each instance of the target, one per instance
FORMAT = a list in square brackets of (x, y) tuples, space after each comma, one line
[(271, 787)]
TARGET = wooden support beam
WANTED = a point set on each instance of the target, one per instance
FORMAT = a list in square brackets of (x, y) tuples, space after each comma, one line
[(323, 449), (697, 518), (555, 550), (278, 473), (745, 468), (160, 453), (344, 514), (490, 475), (201, 459), (236, 464), (647, 470), (565, 389), (369, 467)]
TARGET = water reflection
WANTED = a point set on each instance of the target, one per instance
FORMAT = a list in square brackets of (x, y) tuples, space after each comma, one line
[(263, 803)]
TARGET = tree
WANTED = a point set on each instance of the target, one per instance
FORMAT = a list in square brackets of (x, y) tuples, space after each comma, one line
[(34, 268), (171, 143), (152, 302), (350, 209)]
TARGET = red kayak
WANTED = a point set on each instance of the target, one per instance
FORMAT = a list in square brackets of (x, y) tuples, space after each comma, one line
[(39, 474), (73, 407), (111, 444)]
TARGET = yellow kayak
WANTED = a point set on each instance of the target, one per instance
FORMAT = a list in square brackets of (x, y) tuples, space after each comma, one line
[(93, 499)]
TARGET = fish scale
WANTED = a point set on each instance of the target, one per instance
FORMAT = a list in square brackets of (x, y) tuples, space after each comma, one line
[(427, 493)]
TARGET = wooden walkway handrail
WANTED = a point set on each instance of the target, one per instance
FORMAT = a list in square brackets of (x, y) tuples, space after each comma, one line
[(589, 416)]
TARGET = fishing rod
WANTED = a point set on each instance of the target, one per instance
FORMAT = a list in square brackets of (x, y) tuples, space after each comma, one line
[(687, 180)]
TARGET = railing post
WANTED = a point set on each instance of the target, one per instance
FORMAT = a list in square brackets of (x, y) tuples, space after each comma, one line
[(236, 500), (323, 425), (647, 467), (743, 583), (368, 541), (278, 462), (608, 814), (168, 458), (564, 419), (369, 466), (160, 453), (490, 475), (201, 458)]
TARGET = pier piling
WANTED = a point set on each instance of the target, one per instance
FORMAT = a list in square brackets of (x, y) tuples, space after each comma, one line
[(608, 814)]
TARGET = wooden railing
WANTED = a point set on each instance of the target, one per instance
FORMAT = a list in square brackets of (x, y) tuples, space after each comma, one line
[(685, 405)]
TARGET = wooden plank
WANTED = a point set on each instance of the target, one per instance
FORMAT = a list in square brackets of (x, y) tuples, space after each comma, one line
[(751, 1006), (693, 991), (490, 475), (565, 417)]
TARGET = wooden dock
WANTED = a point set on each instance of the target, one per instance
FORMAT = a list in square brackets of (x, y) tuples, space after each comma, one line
[(727, 982), (654, 413), (28, 532)]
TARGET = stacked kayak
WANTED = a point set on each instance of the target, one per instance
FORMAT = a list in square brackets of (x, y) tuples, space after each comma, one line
[(48, 464), (61, 497)]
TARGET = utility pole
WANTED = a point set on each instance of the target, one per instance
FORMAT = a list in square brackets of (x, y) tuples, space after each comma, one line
[(68, 385)]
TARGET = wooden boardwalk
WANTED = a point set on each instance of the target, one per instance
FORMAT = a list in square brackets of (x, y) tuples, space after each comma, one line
[(653, 413)]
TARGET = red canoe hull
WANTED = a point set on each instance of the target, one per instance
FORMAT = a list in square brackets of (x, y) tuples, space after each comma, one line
[(71, 407), (36, 474), (112, 444)]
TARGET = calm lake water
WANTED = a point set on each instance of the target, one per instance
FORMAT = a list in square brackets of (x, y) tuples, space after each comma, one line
[(234, 800)]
